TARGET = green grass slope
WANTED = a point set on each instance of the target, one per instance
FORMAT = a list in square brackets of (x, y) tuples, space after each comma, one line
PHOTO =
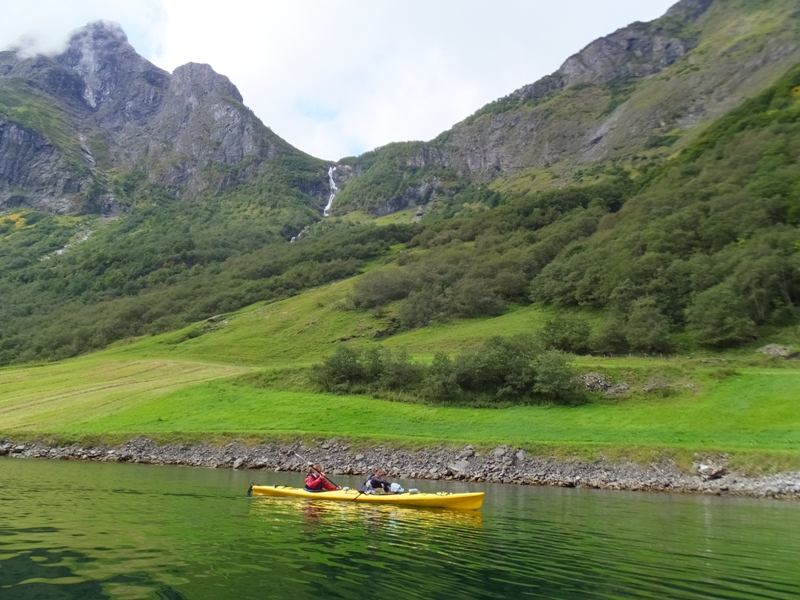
[(174, 387), (58, 397)]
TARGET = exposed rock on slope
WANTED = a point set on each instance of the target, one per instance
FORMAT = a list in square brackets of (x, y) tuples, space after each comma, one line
[(647, 79), (66, 121), (28, 161), (641, 91)]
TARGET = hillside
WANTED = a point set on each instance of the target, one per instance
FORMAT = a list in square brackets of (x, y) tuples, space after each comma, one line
[(705, 243), (596, 257), (684, 236)]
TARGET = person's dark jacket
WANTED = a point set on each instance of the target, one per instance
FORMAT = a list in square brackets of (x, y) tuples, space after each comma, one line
[(374, 482)]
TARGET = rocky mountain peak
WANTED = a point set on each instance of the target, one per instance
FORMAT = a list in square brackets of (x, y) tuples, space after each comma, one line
[(98, 36), (638, 50), (101, 55), (115, 110), (201, 81)]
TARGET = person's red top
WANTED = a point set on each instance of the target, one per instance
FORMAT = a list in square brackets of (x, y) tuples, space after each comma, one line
[(315, 481)]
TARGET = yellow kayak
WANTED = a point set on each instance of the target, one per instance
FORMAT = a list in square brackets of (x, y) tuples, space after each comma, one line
[(469, 500)]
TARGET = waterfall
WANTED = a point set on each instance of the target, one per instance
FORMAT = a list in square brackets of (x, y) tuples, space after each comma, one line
[(334, 191)]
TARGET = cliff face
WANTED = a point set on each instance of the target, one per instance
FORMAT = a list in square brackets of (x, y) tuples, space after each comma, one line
[(642, 92), (701, 59), (638, 50), (29, 163), (66, 121)]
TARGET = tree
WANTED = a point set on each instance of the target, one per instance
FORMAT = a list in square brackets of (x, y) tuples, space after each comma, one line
[(718, 317), (440, 380), (609, 338), (569, 333), (647, 330), (473, 297), (380, 287), (555, 379), (339, 372), (500, 368)]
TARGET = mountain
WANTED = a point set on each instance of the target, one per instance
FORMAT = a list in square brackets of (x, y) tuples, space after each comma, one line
[(71, 123), (652, 183), (639, 94)]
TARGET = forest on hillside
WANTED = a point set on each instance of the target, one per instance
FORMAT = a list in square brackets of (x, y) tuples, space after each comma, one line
[(706, 242)]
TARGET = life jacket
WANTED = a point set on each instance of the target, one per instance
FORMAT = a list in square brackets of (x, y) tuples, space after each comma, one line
[(314, 483)]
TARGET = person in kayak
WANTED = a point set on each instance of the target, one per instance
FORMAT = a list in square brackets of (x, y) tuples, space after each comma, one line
[(376, 481), (315, 480)]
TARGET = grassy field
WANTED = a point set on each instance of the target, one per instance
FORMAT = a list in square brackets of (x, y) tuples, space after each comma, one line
[(188, 385), (734, 416), (69, 395)]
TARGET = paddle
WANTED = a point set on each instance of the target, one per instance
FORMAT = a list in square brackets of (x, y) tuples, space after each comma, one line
[(360, 493), (310, 464)]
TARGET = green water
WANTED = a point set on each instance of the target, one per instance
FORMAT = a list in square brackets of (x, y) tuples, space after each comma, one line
[(90, 531)]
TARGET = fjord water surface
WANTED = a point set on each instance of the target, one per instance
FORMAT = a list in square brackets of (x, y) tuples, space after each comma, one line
[(96, 530)]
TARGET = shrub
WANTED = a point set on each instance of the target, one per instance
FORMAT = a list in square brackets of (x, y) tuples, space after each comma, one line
[(372, 369), (500, 371), (340, 372), (718, 317), (555, 379), (647, 329), (568, 333)]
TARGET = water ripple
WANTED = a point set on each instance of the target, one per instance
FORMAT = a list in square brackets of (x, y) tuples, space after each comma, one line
[(119, 531)]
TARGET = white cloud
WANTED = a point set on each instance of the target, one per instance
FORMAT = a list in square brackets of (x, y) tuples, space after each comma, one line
[(341, 78), (45, 25)]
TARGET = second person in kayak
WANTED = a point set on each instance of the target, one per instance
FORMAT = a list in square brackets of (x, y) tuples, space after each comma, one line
[(376, 482)]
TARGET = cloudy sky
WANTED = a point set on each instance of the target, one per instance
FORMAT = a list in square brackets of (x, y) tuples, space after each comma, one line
[(339, 78)]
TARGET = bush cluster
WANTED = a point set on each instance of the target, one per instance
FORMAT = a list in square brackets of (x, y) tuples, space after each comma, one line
[(500, 371), (644, 329)]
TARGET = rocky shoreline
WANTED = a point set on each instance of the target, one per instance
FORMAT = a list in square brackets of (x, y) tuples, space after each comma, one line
[(501, 465)]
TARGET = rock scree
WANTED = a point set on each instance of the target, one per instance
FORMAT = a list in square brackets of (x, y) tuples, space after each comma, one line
[(504, 464)]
